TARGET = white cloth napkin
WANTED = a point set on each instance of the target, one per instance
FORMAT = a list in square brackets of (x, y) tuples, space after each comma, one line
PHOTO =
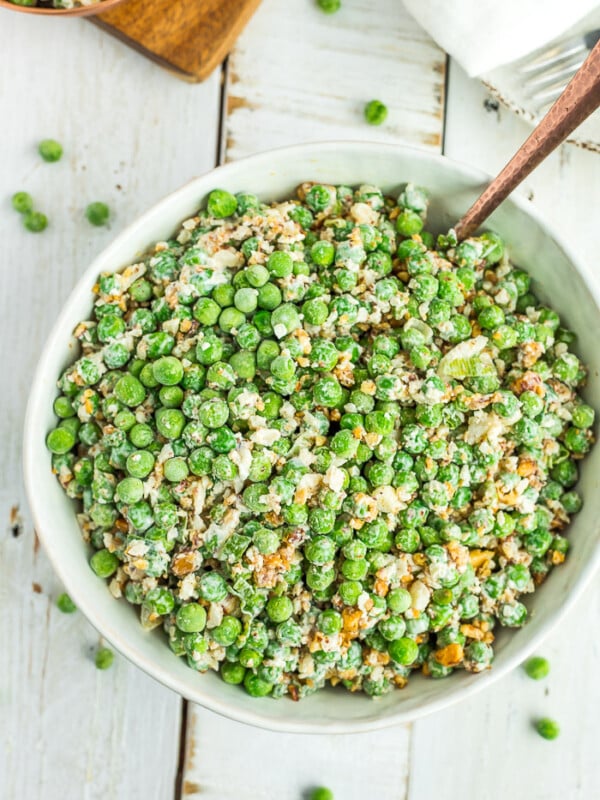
[(484, 34)]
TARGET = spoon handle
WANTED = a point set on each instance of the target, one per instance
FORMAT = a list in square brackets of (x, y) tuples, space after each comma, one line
[(576, 103)]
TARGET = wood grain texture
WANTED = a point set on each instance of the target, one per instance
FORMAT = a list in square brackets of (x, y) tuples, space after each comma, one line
[(67, 730), (229, 761), (299, 75), (486, 748), (189, 37)]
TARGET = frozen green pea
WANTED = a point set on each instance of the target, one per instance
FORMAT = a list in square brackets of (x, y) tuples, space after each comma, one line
[(104, 658)]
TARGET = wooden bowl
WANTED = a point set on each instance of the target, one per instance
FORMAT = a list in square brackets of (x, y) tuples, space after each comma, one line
[(82, 11)]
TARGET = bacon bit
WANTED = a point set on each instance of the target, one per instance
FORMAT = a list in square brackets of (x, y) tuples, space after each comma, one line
[(475, 329), (426, 671), (508, 498), (420, 638), (368, 387), (274, 519), (121, 525), (293, 693), (531, 352), (350, 624), (557, 557), (527, 466), (420, 559), (399, 681), (529, 382), (375, 657), (273, 566), (183, 563), (335, 415), (185, 325), (471, 632), (381, 587), (88, 394), (458, 553), (488, 637), (449, 656), (477, 401), (316, 642), (480, 557)]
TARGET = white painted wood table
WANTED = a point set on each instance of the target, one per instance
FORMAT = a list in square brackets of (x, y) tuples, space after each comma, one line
[(131, 134)]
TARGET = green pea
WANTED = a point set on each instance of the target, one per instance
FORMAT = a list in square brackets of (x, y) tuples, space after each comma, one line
[(403, 651), (583, 416), (537, 668), (35, 221), (175, 469), (547, 728), (65, 604), (232, 672), (22, 202), (279, 609), (104, 658), (97, 213), (321, 792), (130, 490), (60, 440), (221, 204), (50, 150), (191, 618), (328, 7), (376, 112), (257, 687), (140, 463), (104, 563), (129, 391), (168, 370)]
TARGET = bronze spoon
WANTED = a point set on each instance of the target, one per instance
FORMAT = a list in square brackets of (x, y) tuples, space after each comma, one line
[(576, 103)]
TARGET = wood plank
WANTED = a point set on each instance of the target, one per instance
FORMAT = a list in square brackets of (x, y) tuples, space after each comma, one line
[(191, 40), (66, 727), (298, 75), (229, 761), (486, 747)]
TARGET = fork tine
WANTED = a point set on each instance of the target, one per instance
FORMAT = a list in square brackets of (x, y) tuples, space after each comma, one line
[(560, 73), (553, 55), (550, 92)]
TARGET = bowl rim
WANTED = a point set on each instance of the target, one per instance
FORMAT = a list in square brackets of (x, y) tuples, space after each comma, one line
[(225, 708)]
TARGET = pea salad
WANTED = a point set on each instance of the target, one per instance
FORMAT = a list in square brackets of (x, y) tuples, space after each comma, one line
[(316, 445)]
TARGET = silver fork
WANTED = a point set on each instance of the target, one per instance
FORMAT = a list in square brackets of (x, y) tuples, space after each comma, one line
[(546, 74)]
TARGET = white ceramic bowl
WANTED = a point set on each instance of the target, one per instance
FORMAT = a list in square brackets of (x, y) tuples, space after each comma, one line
[(274, 176)]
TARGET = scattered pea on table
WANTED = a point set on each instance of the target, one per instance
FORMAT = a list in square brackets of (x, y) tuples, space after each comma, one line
[(22, 202), (104, 658), (50, 150), (329, 6), (537, 668), (65, 604), (376, 113), (97, 213), (547, 728)]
